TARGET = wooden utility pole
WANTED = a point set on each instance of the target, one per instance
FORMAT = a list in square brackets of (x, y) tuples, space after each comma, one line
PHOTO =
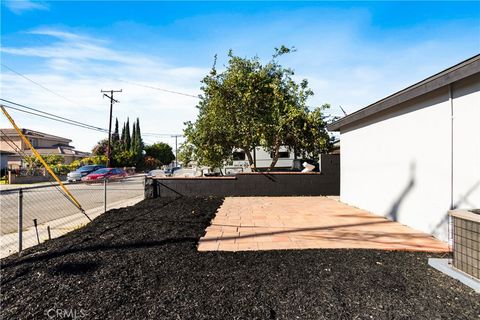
[(176, 147), (110, 120)]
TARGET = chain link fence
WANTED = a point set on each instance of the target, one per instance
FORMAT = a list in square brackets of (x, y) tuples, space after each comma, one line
[(32, 215)]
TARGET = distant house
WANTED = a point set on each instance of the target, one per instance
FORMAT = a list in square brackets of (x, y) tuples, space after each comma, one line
[(11, 144), (416, 153)]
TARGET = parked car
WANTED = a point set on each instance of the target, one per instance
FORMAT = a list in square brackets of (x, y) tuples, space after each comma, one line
[(186, 173), (105, 173), (169, 172), (81, 172), (156, 173)]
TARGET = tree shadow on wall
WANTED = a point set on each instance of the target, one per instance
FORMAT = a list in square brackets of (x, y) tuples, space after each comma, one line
[(394, 209), (463, 200)]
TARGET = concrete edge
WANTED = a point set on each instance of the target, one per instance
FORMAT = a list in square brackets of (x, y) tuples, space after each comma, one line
[(443, 266), (465, 214)]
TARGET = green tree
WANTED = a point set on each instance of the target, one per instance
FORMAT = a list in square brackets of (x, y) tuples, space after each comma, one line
[(126, 151), (160, 151), (186, 154), (253, 104), (151, 163), (50, 159), (133, 142), (124, 159), (115, 135), (138, 145), (122, 136), (100, 148), (128, 138)]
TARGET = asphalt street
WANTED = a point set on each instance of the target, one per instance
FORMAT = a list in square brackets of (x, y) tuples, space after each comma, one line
[(48, 203)]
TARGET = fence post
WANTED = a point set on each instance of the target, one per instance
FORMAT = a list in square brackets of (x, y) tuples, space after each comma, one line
[(144, 185), (104, 195), (20, 220)]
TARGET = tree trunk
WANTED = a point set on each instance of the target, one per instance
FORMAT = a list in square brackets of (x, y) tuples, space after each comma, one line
[(276, 155), (250, 160)]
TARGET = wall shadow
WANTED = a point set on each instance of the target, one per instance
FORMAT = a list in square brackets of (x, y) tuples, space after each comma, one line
[(394, 209)]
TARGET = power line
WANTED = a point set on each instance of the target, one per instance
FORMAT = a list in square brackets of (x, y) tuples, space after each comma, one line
[(71, 101), (159, 89), (56, 119), (38, 84), (169, 135), (51, 114)]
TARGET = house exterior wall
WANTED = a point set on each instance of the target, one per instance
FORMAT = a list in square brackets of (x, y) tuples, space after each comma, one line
[(466, 137), (5, 144), (46, 143), (3, 160), (397, 163), (40, 142), (43, 145)]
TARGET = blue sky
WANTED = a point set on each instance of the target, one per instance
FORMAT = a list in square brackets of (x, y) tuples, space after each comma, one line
[(353, 53)]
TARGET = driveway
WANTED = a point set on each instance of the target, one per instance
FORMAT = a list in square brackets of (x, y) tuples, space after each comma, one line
[(269, 223)]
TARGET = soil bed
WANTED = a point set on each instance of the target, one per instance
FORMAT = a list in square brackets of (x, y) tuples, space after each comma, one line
[(141, 263)]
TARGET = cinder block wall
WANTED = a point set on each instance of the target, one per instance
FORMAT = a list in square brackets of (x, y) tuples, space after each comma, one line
[(253, 184)]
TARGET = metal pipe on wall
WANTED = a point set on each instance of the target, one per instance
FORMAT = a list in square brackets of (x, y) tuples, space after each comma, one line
[(452, 205)]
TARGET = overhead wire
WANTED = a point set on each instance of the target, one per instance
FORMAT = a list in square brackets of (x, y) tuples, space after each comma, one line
[(38, 84), (26, 157), (74, 122), (71, 101), (157, 88), (51, 118), (52, 115), (48, 115)]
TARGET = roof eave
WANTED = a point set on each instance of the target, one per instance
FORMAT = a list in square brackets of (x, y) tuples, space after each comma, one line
[(455, 73)]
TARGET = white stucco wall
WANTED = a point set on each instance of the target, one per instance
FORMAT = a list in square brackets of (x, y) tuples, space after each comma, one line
[(398, 164), (466, 137)]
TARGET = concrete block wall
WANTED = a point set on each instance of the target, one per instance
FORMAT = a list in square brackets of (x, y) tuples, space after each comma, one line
[(253, 184)]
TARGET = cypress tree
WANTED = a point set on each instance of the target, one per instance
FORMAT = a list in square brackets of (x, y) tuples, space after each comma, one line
[(115, 136), (139, 143), (133, 146), (128, 138), (139, 136), (123, 134)]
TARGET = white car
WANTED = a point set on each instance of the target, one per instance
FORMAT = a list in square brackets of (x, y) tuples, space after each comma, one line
[(157, 173)]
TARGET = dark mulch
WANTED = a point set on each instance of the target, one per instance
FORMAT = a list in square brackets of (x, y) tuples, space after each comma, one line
[(141, 263)]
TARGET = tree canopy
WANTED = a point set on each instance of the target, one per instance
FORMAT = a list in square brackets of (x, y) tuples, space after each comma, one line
[(186, 154), (127, 149), (252, 104), (161, 152)]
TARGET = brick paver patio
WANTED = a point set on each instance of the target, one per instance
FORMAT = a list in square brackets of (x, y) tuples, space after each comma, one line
[(268, 223)]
